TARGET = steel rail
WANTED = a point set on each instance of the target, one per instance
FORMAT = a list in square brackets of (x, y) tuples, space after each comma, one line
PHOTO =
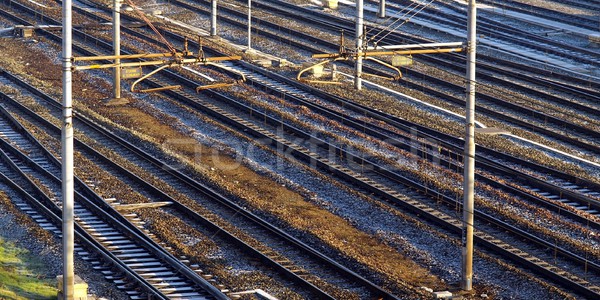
[(590, 203), (583, 22), (336, 24), (493, 112), (378, 291), (490, 111), (110, 216), (178, 206), (173, 92), (484, 163), (495, 29), (314, 160)]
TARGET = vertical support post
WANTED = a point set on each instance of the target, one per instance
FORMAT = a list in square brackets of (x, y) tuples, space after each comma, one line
[(117, 48), (249, 24), (67, 153), (333, 72), (469, 155), (359, 45), (213, 18), (381, 13)]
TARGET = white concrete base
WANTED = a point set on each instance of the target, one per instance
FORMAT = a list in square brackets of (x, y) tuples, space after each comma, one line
[(80, 289)]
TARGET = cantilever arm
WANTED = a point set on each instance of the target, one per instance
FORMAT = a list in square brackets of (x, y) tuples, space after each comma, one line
[(397, 77), (306, 69), (228, 69), (221, 84), (299, 76), (170, 87)]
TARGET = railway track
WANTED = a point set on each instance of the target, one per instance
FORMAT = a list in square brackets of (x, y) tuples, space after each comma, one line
[(284, 143), (256, 113), (521, 115), (577, 193), (502, 32), (318, 159), (580, 201), (579, 21), (494, 102), (131, 259), (575, 184), (306, 261), (230, 119), (591, 4)]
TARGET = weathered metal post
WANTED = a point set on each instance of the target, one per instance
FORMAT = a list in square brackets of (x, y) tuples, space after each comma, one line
[(381, 13), (249, 24), (213, 18), (469, 155), (67, 154), (359, 45), (117, 48)]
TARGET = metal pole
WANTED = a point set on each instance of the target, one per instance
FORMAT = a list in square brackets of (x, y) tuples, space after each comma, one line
[(469, 159), (117, 47), (359, 44), (249, 24), (381, 13), (213, 18), (67, 154)]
